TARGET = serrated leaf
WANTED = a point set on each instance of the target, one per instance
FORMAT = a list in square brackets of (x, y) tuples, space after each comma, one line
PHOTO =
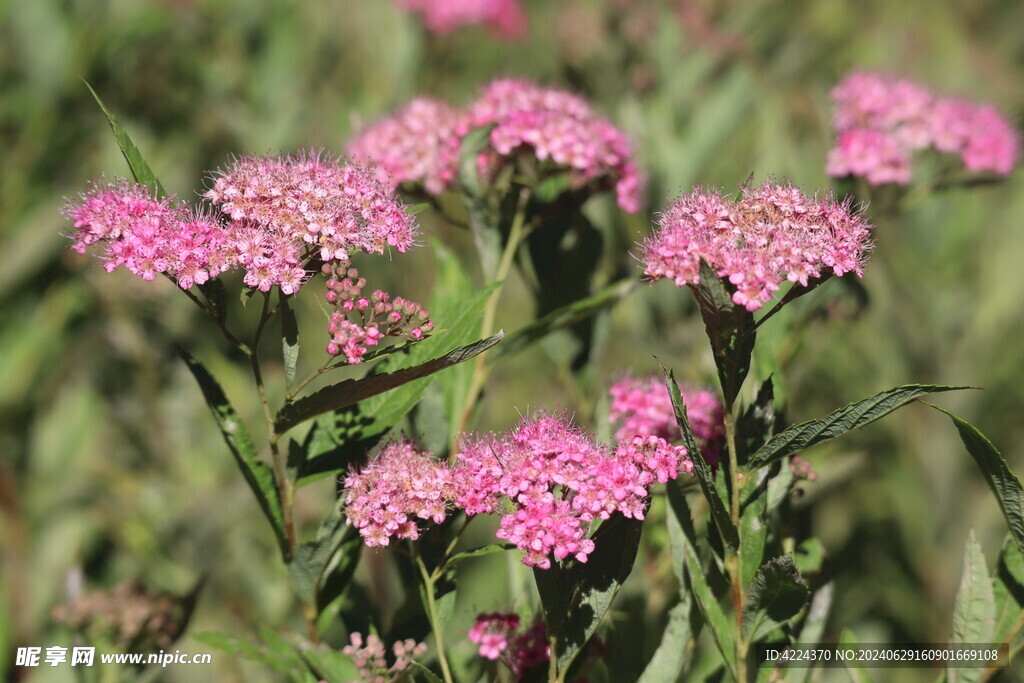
[(564, 317), (974, 613), (141, 171), (852, 416), (352, 391), (257, 473), (289, 340), (684, 544), (729, 327), (429, 675), (575, 598), (776, 595), (1004, 484), (701, 468)]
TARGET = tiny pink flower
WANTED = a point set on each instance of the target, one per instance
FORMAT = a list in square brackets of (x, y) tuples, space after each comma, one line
[(504, 18)]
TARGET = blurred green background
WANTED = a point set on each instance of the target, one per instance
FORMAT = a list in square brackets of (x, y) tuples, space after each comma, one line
[(110, 467)]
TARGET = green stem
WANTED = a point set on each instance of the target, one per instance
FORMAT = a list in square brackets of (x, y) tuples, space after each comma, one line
[(734, 560), (235, 341), (516, 235), (435, 624)]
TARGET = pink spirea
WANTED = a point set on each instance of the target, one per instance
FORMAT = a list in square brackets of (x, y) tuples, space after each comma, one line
[(491, 632), (503, 18), (880, 121), (558, 481), (359, 322), (399, 486), (418, 144), (642, 407), (150, 236), (557, 127), (772, 235), (370, 658)]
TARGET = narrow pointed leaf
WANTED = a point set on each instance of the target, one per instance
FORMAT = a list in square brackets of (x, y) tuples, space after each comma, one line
[(684, 542), (852, 416), (310, 559), (349, 392), (754, 532), (479, 552), (676, 644), (289, 341), (1004, 484), (141, 171), (700, 467), (729, 327), (1008, 591), (257, 473), (974, 614)]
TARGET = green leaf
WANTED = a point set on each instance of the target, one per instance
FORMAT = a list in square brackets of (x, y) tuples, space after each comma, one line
[(676, 646), (479, 552), (776, 595), (141, 171), (257, 473), (809, 556), (330, 665), (974, 613), (1004, 484), (1008, 592), (701, 468), (337, 579), (289, 340), (854, 669), (729, 327), (852, 416), (779, 486), (310, 559), (216, 298), (684, 543), (429, 675), (576, 597), (564, 317), (482, 222), (813, 628), (754, 426), (282, 659), (349, 392), (754, 532)]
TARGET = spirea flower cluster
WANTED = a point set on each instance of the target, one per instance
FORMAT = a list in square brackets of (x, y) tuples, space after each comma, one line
[(276, 213), (881, 121), (420, 144), (558, 481), (771, 235), (503, 18), (370, 657), (360, 322), (642, 407), (396, 489)]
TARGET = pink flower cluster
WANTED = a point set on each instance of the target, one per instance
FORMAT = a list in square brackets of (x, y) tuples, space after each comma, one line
[(420, 144), (643, 407), (150, 236), (881, 121), (397, 487), (491, 632), (278, 213), (773, 234), (504, 18), (359, 322), (559, 481), (369, 656)]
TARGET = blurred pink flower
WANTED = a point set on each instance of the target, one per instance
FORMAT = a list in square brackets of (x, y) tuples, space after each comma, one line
[(369, 656), (503, 18), (491, 632), (773, 234), (880, 121)]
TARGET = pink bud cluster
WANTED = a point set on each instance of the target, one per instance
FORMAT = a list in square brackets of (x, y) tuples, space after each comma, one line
[(772, 235), (420, 144), (278, 212), (396, 488), (503, 18), (369, 656), (881, 121), (642, 407), (360, 322), (491, 632), (802, 468), (558, 481)]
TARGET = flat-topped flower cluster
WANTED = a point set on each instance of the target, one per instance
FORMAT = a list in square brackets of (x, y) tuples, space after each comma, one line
[(771, 235), (881, 121), (419, 145), (503, 18), (549, 478), (275, 213)]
